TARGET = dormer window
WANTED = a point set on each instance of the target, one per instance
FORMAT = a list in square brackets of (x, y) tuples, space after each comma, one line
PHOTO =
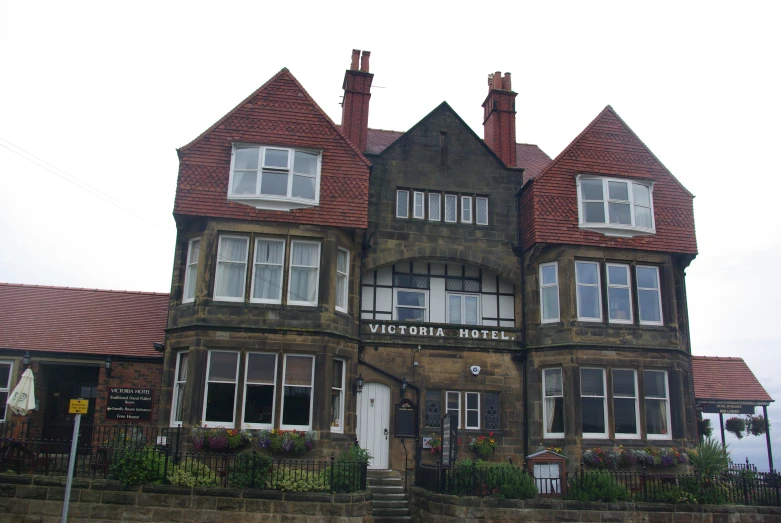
[(276, 178), (615, 207)]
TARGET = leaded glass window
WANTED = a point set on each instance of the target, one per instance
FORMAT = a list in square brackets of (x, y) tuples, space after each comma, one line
[(492, 411), (433, 408)]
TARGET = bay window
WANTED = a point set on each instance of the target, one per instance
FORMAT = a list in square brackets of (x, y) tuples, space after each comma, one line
[(297, 392), (267, 271), (619, 294), (304, 273), (593, 403), (180, 381), (615, 206), (342, 278), (649, 296), (463, 309), (337, 396), (231, 268), (656, 394), (589, 294), (552, 403), (222, 369), (260, 377), (625, 409), (274, 177), (549, 292), (191, 270)]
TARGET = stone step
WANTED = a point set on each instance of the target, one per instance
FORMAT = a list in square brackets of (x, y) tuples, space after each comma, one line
[(391, 519), (382, 473), (388, 496), (398, 511), (389, 503), (384, 481), (382, 489)]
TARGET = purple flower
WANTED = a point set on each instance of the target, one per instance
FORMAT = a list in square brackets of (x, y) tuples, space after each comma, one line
[(309, 445), (287, 445), (265, 443), (219, 442), (197, 442), (668, 461)]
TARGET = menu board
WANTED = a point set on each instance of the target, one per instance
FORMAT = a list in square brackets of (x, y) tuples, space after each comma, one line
[(406, 419), (129, 404)]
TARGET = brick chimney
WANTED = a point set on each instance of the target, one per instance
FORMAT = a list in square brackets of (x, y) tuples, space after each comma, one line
[(499, 118), (355, 105)]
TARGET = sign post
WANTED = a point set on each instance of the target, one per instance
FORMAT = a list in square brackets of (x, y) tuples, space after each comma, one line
[(77, 407)]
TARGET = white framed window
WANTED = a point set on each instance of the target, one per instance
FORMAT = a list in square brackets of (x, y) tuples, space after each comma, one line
[(615, 206), (304, 273), (299, 375), (231, 268), (180, 382), (191, 272), (589, 293), (402, 204), (463, 309), (276, 178), (260, 392), (593, 403), (419, 205), (549, 292), (267, 271), (656, 395), (219, 406), (451, 208), (342, 278), (626, 412), (466, 209), (410, 305), (619, 293), (649, 295), (453, 405), (552, 403), (434, 206), (337, 396), (472, 404), (6, 371), (481, 211)]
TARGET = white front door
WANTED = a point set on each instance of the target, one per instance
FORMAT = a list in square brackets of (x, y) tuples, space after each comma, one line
[(374, 423)]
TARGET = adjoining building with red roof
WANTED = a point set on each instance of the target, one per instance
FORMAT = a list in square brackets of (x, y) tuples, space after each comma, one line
[(333, 277), (79, 343)]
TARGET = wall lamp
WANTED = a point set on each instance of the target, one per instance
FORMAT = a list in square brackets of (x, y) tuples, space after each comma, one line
[(26, 359), (159, 347), (359, 384), (108, 366), (403, 387)]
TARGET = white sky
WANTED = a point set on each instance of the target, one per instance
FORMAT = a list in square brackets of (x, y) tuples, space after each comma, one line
[(106, 91)]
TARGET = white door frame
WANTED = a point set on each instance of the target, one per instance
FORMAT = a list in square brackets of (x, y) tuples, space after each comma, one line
[(373, 429)]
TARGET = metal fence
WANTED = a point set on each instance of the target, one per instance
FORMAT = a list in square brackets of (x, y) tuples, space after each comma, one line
[(742, 486), (137, 454)]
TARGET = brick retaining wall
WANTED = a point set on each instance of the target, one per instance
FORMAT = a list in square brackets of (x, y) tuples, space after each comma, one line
[(429, 507), (28, 499)]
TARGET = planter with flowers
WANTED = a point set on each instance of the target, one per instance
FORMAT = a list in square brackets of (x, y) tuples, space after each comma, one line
[(436, 443), (220, 439), (613, 458), (483, 445), (287, 441)]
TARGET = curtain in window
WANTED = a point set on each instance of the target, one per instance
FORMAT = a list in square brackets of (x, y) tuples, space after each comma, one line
[(470, 310), (454, 309), (231, 267), (181, 380), (553, 391), (192, 269), (303, 280), (268, 269)]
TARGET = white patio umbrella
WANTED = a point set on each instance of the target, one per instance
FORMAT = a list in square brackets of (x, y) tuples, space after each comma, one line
[(22, 399)]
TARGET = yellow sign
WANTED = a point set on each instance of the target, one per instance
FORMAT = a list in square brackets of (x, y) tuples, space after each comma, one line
[(78, 407)]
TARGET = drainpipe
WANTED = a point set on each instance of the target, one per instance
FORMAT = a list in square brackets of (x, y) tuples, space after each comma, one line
[(524, 356)]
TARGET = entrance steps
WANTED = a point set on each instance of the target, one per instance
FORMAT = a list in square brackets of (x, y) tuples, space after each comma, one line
[(390, 503)]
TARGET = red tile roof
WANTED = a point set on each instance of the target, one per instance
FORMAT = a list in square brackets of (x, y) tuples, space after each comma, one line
[(281, 113), (81, 321), (606, 146), (725, 379)]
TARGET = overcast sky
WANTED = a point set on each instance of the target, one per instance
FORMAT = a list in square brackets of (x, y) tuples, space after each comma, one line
[(104, 93)]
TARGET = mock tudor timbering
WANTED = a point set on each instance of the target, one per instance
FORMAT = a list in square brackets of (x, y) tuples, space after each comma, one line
[(423, 256)]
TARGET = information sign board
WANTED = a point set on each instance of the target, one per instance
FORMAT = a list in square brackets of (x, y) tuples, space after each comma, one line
[(78, 407), (129, 404)]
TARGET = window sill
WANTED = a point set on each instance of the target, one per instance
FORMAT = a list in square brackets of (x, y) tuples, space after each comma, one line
[(273, 204), (620, 231)]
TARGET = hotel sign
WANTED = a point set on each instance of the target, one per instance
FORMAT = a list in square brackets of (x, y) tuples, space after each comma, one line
[(129, 404), (440, 332), (727, 408)]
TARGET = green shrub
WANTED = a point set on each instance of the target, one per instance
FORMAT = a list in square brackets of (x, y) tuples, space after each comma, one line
[(192, 473), (138, 466), (710, 458), (348, 469), (597, 486), (249, 469), (506, 481), (667, 493), (297, 480), (707, 491)]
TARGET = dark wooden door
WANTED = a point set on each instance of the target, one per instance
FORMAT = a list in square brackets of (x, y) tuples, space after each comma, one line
[(64, 383)]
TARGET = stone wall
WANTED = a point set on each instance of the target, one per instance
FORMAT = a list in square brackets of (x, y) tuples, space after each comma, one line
[(39, 499), (429, 507)]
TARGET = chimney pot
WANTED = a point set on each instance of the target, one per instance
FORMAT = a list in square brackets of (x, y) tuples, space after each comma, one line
[(507, 82), (354, 60), (497, 80), (355, 104), (365, 61)]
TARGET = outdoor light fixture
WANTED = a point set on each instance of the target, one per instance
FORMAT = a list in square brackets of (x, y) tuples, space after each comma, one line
[(108, 366), (403, 386), (359, 384), (26, 359), (159, 347)]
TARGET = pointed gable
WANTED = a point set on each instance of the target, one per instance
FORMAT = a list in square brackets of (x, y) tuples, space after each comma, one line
[(280, 113), (606, 147)]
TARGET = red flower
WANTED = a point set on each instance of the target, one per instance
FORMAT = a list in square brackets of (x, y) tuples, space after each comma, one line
[(491, 434)]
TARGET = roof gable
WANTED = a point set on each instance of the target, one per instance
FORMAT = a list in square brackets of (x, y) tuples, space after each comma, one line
[(280, 113), (726, 379)]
